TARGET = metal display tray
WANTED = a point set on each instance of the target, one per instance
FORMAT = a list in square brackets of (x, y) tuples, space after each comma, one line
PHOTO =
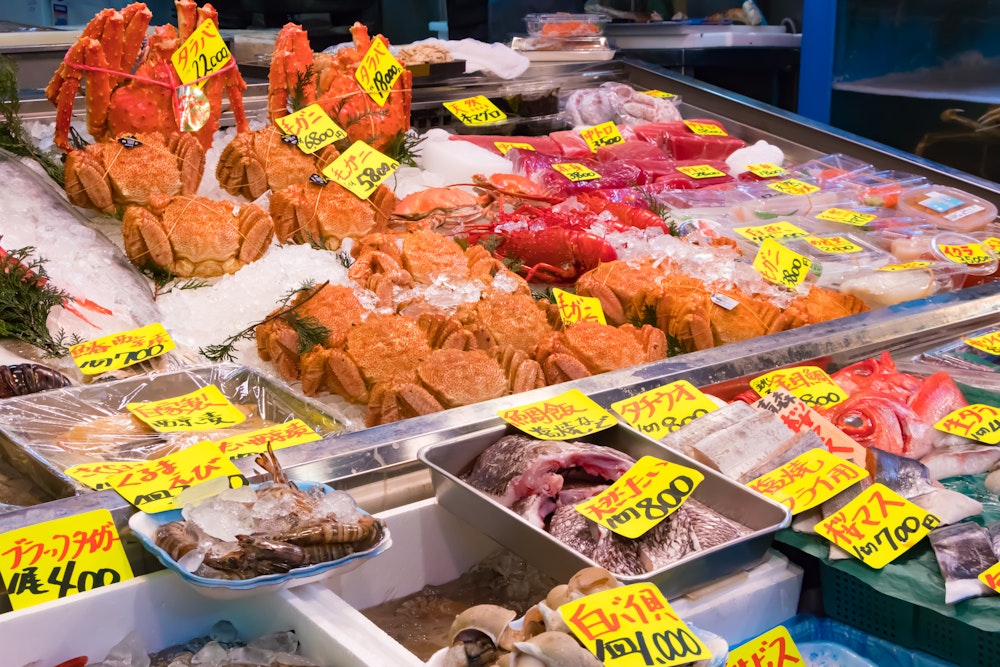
[(452, 458), (29, 425)]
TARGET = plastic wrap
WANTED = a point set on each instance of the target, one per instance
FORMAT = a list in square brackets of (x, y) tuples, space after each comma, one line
[(46, 433)]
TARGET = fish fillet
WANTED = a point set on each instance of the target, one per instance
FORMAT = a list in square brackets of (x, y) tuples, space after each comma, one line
[(742, 447), (798, 444), (686, 437), (965, 460), (963, 552)]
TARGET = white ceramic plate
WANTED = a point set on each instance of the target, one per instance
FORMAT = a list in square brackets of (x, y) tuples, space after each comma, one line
[(144, 525)]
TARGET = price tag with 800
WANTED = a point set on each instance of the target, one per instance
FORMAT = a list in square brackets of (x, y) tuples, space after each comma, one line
[(360, 169), (51, 560), (878, 526), (575, 171), (632, 626), (810, 384), (641, 498), (780, 265), (664, 409), (311, 127), (568, 415)]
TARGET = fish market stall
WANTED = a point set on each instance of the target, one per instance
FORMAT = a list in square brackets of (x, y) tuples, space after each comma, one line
[(366, 327)]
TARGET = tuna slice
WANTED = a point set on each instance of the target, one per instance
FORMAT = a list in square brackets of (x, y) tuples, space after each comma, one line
[(517, 466), (963, 552)]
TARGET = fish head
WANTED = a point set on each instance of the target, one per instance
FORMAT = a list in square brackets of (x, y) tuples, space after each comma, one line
[(873, 420)]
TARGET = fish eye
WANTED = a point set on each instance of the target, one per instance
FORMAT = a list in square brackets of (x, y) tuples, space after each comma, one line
[(854, 421)]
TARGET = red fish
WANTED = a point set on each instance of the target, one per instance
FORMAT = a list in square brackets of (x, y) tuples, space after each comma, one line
[(937, 396), (876, 374), (884, 421)]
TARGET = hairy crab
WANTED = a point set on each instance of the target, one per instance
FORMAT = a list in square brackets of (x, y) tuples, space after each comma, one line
[(299, 77), (131, 168), (125, 97), (196, 236), (323, 213), (255, 162), (588, 348)]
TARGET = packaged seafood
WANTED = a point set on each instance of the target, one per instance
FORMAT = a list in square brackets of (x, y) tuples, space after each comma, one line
[(44, 434), (977, 258), (565, 24), (831, 168), (948, 208), (882, 188), (897, 283), (450, 461), (683, 143)]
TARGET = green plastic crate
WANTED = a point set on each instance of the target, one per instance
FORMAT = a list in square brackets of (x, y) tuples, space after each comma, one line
[(855, 603)]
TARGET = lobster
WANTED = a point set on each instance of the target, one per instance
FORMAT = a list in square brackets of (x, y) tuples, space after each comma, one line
[(23, 379), (556, 245)]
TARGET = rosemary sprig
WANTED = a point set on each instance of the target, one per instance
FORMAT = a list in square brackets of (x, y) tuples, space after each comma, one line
[(403, 148), (310, 330), (26, 297), (298, 97), (13, 136)]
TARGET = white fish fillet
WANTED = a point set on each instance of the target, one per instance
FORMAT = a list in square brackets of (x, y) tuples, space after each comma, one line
[(965, 460), (737, 450)]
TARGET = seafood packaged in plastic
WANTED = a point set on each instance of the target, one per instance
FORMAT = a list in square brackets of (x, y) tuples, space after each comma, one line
[(540, 168), (948, 208), (749, 235), (693, 139), (882, 188), (906, 240), (838, 256), (705, 203), (619, 102), (564, 24), (530, 99), (44, 434), (789, 197), (830, 168), (960, 354), (896, 283), (500, 144), (978, 258)]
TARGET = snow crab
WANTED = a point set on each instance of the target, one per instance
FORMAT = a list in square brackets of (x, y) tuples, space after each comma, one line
[(255, 162), (588, 348), (299, 77), (195, 236), (122, 99), (131, 168), (335, 307), (323, 213)]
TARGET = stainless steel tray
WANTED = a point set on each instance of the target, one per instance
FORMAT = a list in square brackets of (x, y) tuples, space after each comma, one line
[(452, 458), (29, 425)]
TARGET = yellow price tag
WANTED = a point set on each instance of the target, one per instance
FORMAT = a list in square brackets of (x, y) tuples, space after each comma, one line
[(574, 308), (708, 129), (378, 71), (311, 127), (791, 186), (605, 134), (153, 487), (665, 409), (773, 230), (476, 110), (287, 434), (564, 417), (836, 245), (977, 421), (780, 265), (504, 146), (360, 169), (904, 267), (798, 416), (62, 557), (765, 170), (988, 342), (878, 526), (644, 496), (993, 243), (810, 384), (575, 171), (991, 577), (967, 253), (658, 93), (774, 648), (201, 54), (700, 171), (109, 353), (846, 217), (808, 480), (204, 409), (632, 626), (98, 475)]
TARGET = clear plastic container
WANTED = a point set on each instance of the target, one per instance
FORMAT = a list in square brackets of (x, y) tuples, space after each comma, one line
[(840, 256), (907, 242), (882, 188), (749, 234), (966, 250), (768, 202), (892, 284), (563, 24), (831, 168), (948, 208), (531, 99)]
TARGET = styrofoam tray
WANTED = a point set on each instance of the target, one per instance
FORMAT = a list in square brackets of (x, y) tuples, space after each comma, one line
[(165, 614), (434, 547)]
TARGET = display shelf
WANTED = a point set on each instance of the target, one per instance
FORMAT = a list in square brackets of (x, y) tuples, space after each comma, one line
[(979, 82)]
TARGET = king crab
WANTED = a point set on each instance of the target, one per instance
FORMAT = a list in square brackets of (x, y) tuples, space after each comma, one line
[(122, 99)]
